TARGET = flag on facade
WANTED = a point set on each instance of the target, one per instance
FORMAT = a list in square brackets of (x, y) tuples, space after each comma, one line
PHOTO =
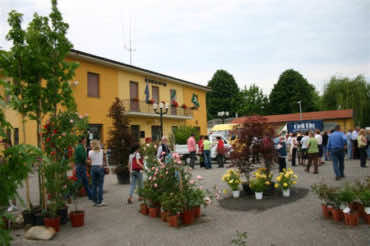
[(195, 101), (147, 92)]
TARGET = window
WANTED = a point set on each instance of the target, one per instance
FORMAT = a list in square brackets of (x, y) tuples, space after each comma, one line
[(16, 136), (92, 85), (134, 97), (156, 133), (135, 131), (155, 93)]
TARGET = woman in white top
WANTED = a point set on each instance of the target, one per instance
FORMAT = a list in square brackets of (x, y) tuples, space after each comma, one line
[(135, 165), (96, 160)]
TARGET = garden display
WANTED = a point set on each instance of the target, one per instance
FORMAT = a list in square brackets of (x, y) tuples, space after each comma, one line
[(348, 203), (261, 182), (170, 192)]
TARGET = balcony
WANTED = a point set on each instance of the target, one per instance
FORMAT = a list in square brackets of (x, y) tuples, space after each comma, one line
[(143, 109)]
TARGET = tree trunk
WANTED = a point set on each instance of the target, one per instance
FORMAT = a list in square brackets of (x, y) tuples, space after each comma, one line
[(28, 196)]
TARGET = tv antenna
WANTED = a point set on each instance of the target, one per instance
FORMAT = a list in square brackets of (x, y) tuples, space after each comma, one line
[(130, 49)]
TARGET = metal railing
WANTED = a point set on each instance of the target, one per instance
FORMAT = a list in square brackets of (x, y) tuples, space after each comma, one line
[(135, 106)]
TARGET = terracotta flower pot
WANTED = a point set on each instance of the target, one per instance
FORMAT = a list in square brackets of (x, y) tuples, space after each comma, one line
[(144, 209), (337, 214), (52, 222), (173, 220), (188, 217), (154, 212), (77, 218), (196, 212), (351, 218), (325, 211), (164, 216)]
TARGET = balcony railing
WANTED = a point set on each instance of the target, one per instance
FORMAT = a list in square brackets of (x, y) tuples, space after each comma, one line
[(142, 108)]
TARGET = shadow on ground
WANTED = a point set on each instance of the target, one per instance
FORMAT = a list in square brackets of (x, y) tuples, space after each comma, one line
[(249, 202)]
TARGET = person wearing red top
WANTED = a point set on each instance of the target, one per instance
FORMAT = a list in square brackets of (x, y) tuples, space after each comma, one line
[(201, 148), (220, 152), (192, 148)]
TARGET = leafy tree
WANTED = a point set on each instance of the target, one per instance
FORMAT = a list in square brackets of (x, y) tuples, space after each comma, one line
[(36, 63), (182, 133), (346, 93), (120, 138), (224, 95), (291, 88), (253, 101)]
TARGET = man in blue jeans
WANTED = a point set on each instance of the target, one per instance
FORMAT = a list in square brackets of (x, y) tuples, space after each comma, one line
[(80, 162), (336, 146)]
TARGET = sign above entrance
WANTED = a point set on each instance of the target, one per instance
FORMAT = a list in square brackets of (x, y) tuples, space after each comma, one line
[(152, 81), (305, 125)]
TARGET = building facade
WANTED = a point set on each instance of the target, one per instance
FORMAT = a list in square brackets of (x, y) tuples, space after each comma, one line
[(98, 81)]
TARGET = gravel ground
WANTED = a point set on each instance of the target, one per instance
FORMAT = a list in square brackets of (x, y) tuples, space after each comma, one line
[(296, 223)]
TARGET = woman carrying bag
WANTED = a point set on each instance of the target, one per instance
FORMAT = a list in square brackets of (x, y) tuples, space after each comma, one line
[(135, 165), (97, 162)]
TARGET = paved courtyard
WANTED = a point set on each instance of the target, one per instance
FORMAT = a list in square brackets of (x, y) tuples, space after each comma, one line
[(297, 223)]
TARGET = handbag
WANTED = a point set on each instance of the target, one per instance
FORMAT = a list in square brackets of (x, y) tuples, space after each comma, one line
[(106, 170)]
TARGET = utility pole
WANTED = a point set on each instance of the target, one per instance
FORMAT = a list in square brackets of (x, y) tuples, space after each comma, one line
[(300, 110)]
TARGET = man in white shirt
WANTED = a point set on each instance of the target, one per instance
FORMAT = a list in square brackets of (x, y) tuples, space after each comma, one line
[(354, 136), (319, 142), (304, 143)]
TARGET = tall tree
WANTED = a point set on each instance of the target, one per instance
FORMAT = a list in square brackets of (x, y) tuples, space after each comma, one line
[(36, 63), (291, 88), (253, 101), (346, 93), (224, 95)]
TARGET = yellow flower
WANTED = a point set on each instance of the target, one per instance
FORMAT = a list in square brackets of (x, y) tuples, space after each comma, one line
[(276, 185), (267, 183), (278, 179), (295, 176), (294, 182), (225, 191), (285, 185), (286, 175)]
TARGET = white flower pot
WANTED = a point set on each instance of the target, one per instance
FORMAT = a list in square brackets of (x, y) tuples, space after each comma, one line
[(286, 193), (367, 210), (236, 193), (259, 195)]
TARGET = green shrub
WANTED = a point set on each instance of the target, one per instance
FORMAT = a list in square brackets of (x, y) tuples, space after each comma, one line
[(182, 133)]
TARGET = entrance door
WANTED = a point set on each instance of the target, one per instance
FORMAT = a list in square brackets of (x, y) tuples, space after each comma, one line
[(155, 93), (135, 131), (156, 133), (134, 96), (94, 131)]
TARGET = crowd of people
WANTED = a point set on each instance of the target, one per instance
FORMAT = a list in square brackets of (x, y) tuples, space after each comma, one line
[(312, 148)]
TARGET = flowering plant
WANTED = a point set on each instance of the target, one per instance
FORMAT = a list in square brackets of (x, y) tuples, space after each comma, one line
[(261, 181), (232, 178), (184, 106), (174, 103), (151, 101), (286, 179)]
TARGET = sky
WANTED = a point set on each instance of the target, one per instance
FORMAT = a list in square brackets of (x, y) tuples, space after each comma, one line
[(254, 40)]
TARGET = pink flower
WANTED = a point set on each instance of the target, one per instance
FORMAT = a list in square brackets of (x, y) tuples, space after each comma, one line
[(153, 168), (191, 181), (64, 134), (200, 187), (178, 162), (155, 185), (80, 116), (71, 121), (163, 153), (199, 177), (207, 200), (166, 172), (150, 178)]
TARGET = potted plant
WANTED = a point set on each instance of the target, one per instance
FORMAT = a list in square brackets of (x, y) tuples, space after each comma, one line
[(334, 204), (143, 205), (77, 216), (120, 141), (261, 181), (174, 103), (347, 196), (199, 196), (364, 197), (173, 204), (321, 191), (285, 180), (184, 106), (151, 101), (232, 178)]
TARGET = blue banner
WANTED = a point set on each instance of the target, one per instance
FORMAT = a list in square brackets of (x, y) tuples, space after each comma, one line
[(305, 125)]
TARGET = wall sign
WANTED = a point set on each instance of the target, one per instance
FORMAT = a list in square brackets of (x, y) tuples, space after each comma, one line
[(305, 125), (152, 81)]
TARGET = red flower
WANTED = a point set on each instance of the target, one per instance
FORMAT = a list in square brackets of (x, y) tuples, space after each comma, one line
[(53, 153), (174, 103), (46, 126), (48, 140), (184, 106), (55, 131)]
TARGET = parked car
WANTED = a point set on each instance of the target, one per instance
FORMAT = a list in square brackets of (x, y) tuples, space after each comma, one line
[(227, 145)]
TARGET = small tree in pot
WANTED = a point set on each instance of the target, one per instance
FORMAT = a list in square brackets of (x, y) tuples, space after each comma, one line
[(77, 216), (120, 141)]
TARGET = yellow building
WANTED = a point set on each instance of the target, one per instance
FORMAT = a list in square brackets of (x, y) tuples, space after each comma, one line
[(98, 81)]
